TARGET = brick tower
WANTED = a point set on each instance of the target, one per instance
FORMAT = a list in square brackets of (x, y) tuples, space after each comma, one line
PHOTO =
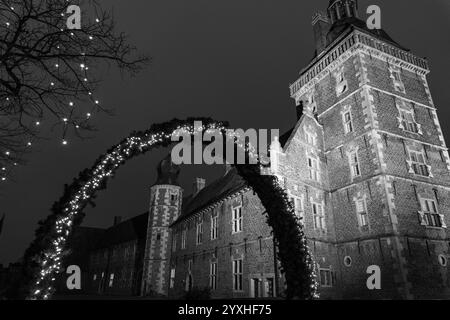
[(165, 206), (370, 169)]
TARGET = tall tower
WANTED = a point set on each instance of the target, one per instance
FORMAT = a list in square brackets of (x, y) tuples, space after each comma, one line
[(383, 163), (165, 206)]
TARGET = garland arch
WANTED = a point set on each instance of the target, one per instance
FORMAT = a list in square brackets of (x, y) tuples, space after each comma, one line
[(43, 259)]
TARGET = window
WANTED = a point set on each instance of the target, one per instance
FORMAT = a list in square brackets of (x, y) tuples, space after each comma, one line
[(172, 278), (348, 124), (417, 164), (199, 230), (237, 274), (397, 80), (407, 121), (173, 199), (269, 285), (214, 226), (318, 216), (111, 280), (429, 216), (174, 242), (95, 277), (406, 118), (189, 279), (183, 237), (297, 202), (341, 83), (213, 275), (361, 212), (326, 277), (237, 219), (354, 164), (310, 137), (314, 171)]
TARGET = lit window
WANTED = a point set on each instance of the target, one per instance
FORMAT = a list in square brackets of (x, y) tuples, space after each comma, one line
[(199, 230), (348, 124), (429, 215), (95, 277), (314, 171), (183, 237), (417, 164), (354, 164), (237, 219), (237, 274), (213, 275), (111, 280), (361, 212), (318, 216), (214, 226)]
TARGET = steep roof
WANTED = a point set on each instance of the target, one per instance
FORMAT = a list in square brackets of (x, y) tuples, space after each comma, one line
[(340, 26), (129, 230), (230, 183)]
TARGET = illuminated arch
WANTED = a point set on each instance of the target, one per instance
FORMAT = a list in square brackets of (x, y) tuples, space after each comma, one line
[(44, 257)]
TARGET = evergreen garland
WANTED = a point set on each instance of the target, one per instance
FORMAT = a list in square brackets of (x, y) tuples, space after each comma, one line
[(42, 260)]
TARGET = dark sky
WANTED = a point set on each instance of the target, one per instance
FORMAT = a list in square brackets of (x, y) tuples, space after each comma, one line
[(228, 59)]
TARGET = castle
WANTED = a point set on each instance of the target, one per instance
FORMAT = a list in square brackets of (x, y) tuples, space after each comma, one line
[(365, 165)]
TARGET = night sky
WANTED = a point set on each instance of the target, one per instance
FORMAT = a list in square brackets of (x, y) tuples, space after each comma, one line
[(231, 60)]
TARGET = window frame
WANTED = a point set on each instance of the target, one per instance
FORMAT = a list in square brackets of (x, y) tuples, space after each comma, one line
[(184, 233), (348, 124), (354, 163), (319, 222), (214, 232), (362, 216), (199, 230), (403, 122), (429, 212), (236, 220), (416, 167), (299, 210), (213, 271), (399, 85), (238, 274), (313, 163)]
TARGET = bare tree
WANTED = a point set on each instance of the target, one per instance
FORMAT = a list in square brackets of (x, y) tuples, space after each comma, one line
[(48, 70)]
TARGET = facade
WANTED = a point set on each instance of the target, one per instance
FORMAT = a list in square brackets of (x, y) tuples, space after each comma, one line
[(365, 165), (116, 260)]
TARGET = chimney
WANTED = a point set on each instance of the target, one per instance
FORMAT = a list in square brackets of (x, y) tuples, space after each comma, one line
[(199, 184), (117, 220), (321, 26)]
